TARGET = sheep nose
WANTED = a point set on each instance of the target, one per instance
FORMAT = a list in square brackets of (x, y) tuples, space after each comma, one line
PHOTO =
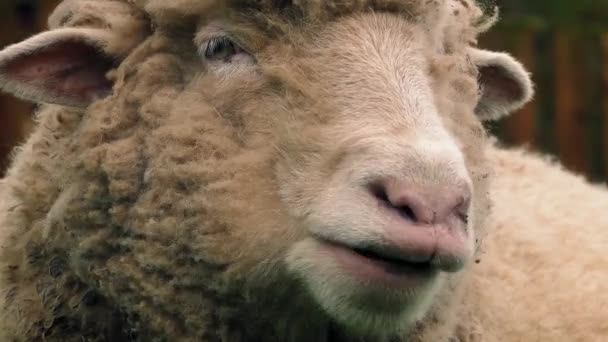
[(425, 204)]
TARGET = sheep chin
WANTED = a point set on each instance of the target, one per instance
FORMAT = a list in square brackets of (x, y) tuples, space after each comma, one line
[(362, 309)]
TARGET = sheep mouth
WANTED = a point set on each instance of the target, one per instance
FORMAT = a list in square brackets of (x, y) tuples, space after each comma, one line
[(395, 263), (373, 267)]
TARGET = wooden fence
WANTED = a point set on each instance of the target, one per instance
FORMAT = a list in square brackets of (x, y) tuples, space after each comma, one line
[(568, 118)]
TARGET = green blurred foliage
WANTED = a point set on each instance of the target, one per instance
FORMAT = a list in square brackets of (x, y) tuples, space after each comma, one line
[(584, 15)]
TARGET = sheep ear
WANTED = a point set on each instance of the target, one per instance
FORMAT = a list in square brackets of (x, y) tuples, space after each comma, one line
[(65, 66), (504, 84)]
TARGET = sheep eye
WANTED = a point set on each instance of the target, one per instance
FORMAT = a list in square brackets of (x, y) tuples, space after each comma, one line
[(221, 49)]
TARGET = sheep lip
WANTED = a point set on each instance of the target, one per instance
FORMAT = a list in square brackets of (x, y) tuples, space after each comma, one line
[(371, 268), (386, 254), (396, 258)]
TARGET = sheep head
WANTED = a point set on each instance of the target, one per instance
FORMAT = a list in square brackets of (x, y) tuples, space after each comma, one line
[(318, 159)]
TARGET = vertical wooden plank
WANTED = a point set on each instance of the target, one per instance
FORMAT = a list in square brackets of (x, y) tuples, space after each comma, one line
[(604, 42), (570, 103), (522, 125)]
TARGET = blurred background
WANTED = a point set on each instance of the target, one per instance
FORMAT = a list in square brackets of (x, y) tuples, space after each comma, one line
[(564, 43)]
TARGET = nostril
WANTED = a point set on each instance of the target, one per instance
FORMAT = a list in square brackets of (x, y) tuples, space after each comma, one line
[(464, 217), (379, 191), (462, 209), (407, 212), (423, 204)]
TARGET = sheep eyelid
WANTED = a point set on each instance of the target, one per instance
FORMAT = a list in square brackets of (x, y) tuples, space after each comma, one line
[(220, 48), (213, 44)]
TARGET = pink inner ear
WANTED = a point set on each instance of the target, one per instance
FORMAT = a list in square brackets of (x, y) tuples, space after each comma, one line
[(69, 69), (498, 85)]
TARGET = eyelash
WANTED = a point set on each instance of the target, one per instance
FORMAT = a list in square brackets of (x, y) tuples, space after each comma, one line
[(220, 49)]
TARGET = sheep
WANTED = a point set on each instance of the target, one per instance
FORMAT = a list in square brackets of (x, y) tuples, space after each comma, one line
[(541, 270), (285, 171)]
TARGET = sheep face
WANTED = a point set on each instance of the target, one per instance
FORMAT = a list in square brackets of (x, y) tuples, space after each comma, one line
[(328, 168), (379, 178)]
